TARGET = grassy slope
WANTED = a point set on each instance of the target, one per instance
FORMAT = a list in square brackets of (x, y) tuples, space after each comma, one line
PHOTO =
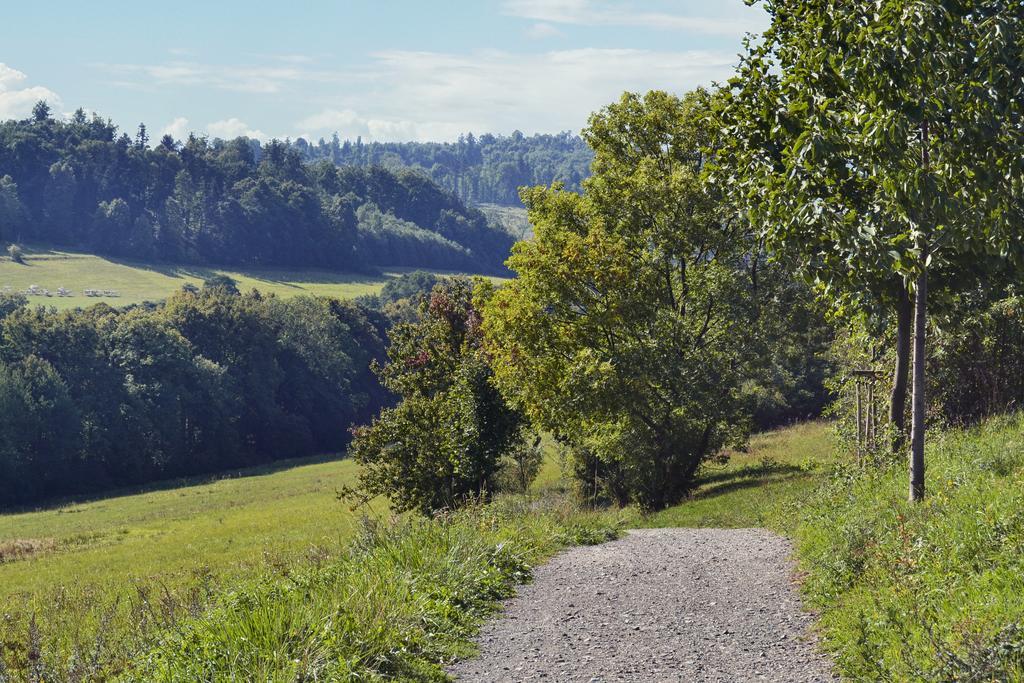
[(127, 565), (220, 525), (512, 218), (927, 591), (137, 282), (758, 487)]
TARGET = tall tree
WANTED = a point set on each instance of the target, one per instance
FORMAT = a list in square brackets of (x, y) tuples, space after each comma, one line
[(622, 334), (892, 130)]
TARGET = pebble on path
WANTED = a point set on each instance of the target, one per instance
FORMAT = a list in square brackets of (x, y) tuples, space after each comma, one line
[(656, 605)]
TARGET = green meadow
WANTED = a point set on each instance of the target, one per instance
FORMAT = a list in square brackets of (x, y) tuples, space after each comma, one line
[(135, 281), (759, 485), (222, 525)]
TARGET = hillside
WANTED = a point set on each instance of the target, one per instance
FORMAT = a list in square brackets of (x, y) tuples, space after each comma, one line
[(479, 170), (512, 218), (82, 184), (198, 544), (136, 281), (89, 571)]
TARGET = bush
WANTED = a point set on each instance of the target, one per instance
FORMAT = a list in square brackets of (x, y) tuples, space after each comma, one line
[(927, 591), (15, 253), (443, 444), (977, 366), (223, 283)]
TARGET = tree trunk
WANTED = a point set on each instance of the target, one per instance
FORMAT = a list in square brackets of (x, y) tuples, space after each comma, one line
[(917, 402), (898, 397)]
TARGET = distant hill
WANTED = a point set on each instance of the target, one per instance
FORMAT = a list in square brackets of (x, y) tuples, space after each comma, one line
[(513, 219), (83, 185), (488, 169), (121, 282)]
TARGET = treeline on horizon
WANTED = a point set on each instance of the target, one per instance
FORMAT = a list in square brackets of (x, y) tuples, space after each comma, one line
[(485, 169), (81, 184), (210, 380)]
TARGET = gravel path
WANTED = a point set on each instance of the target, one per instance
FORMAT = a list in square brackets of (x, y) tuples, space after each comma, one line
[(656, 605)]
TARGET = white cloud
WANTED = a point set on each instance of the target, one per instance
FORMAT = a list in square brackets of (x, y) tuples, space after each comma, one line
[(295, 59), (727, 18), (16, 102), (349, 125), (541, 30), (226, 129), (177, 129), (229, 129), (9, 77), (267, 80), (495, 91)]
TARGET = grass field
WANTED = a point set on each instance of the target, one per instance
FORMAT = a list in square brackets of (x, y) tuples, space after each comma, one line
[(136, 282), (227, 522), (120, 575), (91, 569), (927, 591), (103, 569), (760, 486), (220, 525)]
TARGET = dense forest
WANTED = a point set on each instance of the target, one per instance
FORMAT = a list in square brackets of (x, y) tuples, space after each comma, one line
[(484, 169), (81, 184), (211, 379)]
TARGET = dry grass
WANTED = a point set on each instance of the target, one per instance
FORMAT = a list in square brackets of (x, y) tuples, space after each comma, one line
[(24, 548)]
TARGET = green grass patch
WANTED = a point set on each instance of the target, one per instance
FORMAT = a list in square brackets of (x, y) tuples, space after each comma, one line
[(928, 591), (219, 524), (401, 603), (135, 281), (116, 568), (760, 486), (263, 570)]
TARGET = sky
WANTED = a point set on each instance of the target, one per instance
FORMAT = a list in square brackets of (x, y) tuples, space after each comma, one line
[(387, 70)]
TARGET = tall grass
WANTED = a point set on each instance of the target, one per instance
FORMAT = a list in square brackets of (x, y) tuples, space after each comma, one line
[(400, 601), (932, 591)]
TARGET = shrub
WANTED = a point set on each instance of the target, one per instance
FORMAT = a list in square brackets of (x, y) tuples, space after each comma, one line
[(223, 283), (520, 465), (15, 253), (442, 445)]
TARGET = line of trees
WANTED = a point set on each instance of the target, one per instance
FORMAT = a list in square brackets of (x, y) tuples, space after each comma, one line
[(80, 183), (878, 144), (871, 150), (645, 331), (484, 169), (210, 380)]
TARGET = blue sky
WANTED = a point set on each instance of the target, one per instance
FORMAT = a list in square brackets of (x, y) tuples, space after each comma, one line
[(384, 69)]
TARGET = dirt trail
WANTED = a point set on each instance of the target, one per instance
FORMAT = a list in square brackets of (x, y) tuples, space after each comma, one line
[(656, 605)]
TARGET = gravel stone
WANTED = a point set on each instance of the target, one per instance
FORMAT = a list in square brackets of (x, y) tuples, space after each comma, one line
[(656, 605)]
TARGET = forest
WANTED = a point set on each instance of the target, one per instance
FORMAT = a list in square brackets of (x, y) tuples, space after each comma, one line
[(485, 169), (79, 183), (207, 381)]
